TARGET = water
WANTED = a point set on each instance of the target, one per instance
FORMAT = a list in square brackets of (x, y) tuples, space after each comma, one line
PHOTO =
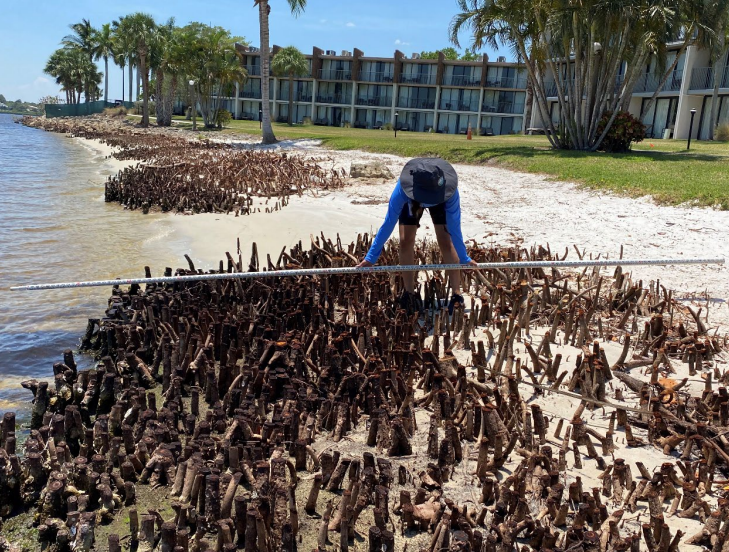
[(55, 227)]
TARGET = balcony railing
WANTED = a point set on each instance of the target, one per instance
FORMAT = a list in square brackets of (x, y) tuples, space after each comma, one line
[(418, 78), (298, 97), (702, 78), (251, 94), (507, 82), (375, 76), (650, 82), (503, 107), (416, 103), (335, 74), (333, 98), (253, 70), (451, 105), (461, 80), (376, 101)]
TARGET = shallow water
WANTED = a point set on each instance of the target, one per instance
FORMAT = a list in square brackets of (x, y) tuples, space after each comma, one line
[(55, 227)]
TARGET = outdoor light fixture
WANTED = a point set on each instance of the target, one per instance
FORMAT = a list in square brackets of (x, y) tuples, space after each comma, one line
[(260, 115), (396, 114), (691, 128), (194, 106)]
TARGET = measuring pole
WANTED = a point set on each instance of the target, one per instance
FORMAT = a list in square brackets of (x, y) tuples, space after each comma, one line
[(202, 277)]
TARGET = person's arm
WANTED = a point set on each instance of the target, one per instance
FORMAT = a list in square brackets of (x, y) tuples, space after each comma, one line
[(397, 202), (453, 225)]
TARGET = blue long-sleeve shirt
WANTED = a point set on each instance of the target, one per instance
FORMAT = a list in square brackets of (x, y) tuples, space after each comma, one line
[(398, 199)]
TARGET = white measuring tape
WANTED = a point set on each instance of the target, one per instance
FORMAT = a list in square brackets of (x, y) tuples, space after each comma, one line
[(368, 270)]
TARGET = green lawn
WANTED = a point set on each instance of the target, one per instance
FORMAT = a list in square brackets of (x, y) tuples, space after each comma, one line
[(660, 168)]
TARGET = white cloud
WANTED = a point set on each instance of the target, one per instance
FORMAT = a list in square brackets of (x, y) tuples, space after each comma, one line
[(350, 24), (399, 42), (39, 83)]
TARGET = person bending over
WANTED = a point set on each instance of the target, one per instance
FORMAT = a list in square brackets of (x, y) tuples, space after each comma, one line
[(425, 183)]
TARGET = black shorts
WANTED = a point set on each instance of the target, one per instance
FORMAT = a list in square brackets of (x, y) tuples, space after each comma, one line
[(437, 215)]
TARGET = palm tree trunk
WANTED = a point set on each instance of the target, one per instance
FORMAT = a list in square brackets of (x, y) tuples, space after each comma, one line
[(139, 77), (291, 99), (145, 88), (123, 72), (131, 80), (169, 100), (528, 104), (719, 66), (268, 136), (106, 79), (159, 105)]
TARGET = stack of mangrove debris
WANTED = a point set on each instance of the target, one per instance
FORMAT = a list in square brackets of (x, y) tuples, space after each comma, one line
[(312, 414), (200, 176)]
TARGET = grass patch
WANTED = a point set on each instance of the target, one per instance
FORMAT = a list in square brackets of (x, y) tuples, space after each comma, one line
[(662, 169)]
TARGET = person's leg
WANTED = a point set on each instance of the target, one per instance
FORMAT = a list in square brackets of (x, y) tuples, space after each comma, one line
[(449, 255), (407, 253)]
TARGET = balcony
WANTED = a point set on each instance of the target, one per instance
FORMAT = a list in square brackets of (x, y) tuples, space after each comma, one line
[(335, 74), (650, 81), (375, 76), (457, 106), (253, 70), (462, 80), (503, 107), (702, 78), (507, 82), (416, 103), (250, 94), (418, 78), (304, 98), (333, 98), (375, 101)]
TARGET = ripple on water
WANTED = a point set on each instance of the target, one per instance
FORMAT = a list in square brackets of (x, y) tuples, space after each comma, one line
[(54, 227)]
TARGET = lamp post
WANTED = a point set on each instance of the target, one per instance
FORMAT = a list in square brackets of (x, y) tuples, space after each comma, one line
[(260, 116), (194, 106), (396, 114), (691, 128)]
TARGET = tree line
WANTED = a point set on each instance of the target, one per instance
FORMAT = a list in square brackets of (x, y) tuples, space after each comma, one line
[(167, 59)]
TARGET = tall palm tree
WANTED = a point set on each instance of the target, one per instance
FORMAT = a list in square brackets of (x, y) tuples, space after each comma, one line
[(83, 40), (264, 9), (82, 37), (103, 40), (290, 62), (139, 28), (126, 48)]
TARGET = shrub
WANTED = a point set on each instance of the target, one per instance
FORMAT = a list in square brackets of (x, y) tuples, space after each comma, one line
[(722, 132), (625, 130), (116, 112), (223, 117), (387, 126)]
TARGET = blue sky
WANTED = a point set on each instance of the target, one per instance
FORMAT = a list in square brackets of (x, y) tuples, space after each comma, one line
[(30, 31)]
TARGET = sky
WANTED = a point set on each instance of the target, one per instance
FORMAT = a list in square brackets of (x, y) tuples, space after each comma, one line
[(30, 32)]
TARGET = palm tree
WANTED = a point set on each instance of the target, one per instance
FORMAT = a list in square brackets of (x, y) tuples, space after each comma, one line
[(264, 9), (104, 48), (125, 49), (290, 62), (82, 38), (139, 29)]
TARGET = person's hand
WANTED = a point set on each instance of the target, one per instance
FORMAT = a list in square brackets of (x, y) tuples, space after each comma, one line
[(473, 263), (364, 264)]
